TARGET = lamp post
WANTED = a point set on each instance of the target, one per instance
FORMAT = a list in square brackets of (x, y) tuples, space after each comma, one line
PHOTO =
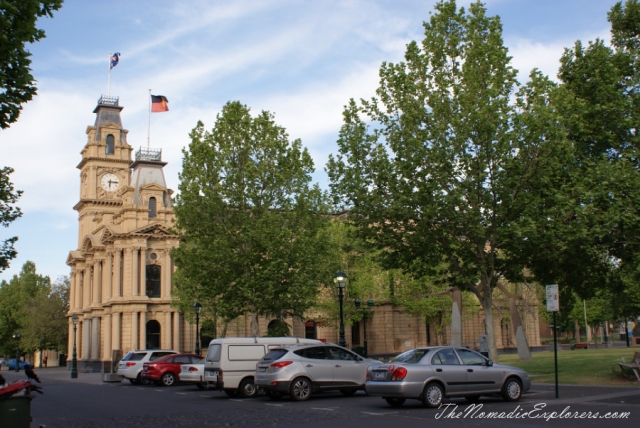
[(197, 307), (17, 337), (365, 314), (74, 359), (340, 280)]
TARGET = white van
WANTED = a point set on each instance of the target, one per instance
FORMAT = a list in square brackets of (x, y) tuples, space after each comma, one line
[(230, 364)]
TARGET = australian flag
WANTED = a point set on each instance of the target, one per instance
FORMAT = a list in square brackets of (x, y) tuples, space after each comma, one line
[(115, 58)]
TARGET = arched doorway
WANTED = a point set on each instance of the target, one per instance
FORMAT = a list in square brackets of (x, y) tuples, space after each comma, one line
[(153, 335)]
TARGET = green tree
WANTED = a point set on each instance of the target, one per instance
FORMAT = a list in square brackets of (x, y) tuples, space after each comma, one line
[(8, 213), (18, 27), (443, 168), (252, 224), (16, 296)]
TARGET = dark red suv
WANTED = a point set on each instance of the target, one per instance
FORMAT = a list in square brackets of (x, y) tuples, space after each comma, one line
[(166, 370)]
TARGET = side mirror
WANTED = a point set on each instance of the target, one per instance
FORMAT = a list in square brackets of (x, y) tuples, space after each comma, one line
[(489, 363)]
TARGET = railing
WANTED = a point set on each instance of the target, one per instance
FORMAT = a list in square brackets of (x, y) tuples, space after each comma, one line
[(154, 155), (105, 100)]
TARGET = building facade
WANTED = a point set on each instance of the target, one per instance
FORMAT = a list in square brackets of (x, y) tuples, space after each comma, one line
[(121, 272)]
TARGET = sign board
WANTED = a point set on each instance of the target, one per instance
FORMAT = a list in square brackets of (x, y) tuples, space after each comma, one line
[(553, 301)]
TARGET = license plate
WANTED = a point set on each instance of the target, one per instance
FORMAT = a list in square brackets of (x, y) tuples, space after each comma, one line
[(379, 375), (263, 369), (210, 373)]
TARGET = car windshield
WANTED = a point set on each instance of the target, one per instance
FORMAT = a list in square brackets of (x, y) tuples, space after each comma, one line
[(410, 356), (213, 354), (275, 354), (132, 356)]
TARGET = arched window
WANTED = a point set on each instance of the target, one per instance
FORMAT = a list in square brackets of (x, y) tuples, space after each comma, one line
[(153, 335), (152, 207), (110, 145), (153, 281)]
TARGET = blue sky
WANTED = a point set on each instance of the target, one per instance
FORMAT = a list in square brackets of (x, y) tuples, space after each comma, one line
[(300, 59)]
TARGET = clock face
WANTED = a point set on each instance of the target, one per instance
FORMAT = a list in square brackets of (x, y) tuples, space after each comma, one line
[(110, 182)]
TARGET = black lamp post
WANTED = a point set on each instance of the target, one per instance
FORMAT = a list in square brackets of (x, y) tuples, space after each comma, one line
[(365, 314), (17, 337), (340, 280), (74, 356), (197, 307)]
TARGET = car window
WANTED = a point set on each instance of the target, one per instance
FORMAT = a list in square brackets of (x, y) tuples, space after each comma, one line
[(341, 354), (276, 354), (445, 357), (213, 354), (155, 355), (198, 360), (470, 357), (410, 356), (135, 356), (182, 359), (315, 353)]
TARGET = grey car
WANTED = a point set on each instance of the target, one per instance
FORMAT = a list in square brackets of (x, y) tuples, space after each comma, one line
[(301, 370), (432, 373)]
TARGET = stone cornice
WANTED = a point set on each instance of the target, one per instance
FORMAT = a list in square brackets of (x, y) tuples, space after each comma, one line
[(97, 202), (84, 161)]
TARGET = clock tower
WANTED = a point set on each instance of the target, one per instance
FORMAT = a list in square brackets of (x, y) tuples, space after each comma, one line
[(121, 272)]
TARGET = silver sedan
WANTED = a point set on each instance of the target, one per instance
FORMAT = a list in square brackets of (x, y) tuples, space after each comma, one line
[(430, 374)]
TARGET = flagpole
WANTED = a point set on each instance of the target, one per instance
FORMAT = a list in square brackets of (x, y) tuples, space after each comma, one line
[(149, 123), (109, 78)]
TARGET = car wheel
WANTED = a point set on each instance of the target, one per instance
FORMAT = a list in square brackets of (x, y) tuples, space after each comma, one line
[(201, 386), (133, 381), (300, 389), (512, 389), (168, 379), (230, 392), (348, 392), (274, 395), (394, 401), (432, 395), (247, 388), (145, 381)]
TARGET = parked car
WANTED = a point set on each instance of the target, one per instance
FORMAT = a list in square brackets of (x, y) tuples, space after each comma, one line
[(432, 373), (11, 364), (230, 364), (130, 367), (194, 373), (301, 370), (166, 370)]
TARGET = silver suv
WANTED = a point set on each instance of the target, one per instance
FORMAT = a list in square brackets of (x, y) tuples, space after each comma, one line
[(131, 365), (302, 369)]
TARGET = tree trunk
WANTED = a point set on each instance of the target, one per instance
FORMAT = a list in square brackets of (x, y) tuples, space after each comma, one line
[(456, 318), (254, 324), (487, 301), (524, 353), (577, 331)]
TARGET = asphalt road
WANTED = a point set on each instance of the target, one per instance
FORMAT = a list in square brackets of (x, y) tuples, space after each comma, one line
[(88, 402)]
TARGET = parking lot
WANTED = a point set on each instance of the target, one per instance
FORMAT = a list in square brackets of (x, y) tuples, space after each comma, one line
[(89, 402)]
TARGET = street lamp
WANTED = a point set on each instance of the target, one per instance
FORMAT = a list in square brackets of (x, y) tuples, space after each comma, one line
[(365, 313), (17, 337), (340, 280), (197, 307), (74, 359)]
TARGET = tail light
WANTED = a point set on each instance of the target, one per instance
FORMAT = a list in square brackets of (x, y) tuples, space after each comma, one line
[(280, 364), (131, 364), (399, 374), (368, 375), (193, 369), (220, 375)]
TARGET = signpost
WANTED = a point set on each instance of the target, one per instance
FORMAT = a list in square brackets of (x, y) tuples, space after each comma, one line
[(553, 305)]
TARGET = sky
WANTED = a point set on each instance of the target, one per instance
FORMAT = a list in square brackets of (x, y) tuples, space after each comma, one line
[(302, 60)]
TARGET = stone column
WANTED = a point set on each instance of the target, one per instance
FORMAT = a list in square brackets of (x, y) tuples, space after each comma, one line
[(143, 330), (134, 331), (97, 276), (176, 332), (95, 338), (70, 347), (78, 301), (86, 287), (106, 354), (72, 291), (117, 285), (126, 279), (86, 338), (143, 272), (135, 263), (166, 340), (116, 337), (165, 284), (107, 275)]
